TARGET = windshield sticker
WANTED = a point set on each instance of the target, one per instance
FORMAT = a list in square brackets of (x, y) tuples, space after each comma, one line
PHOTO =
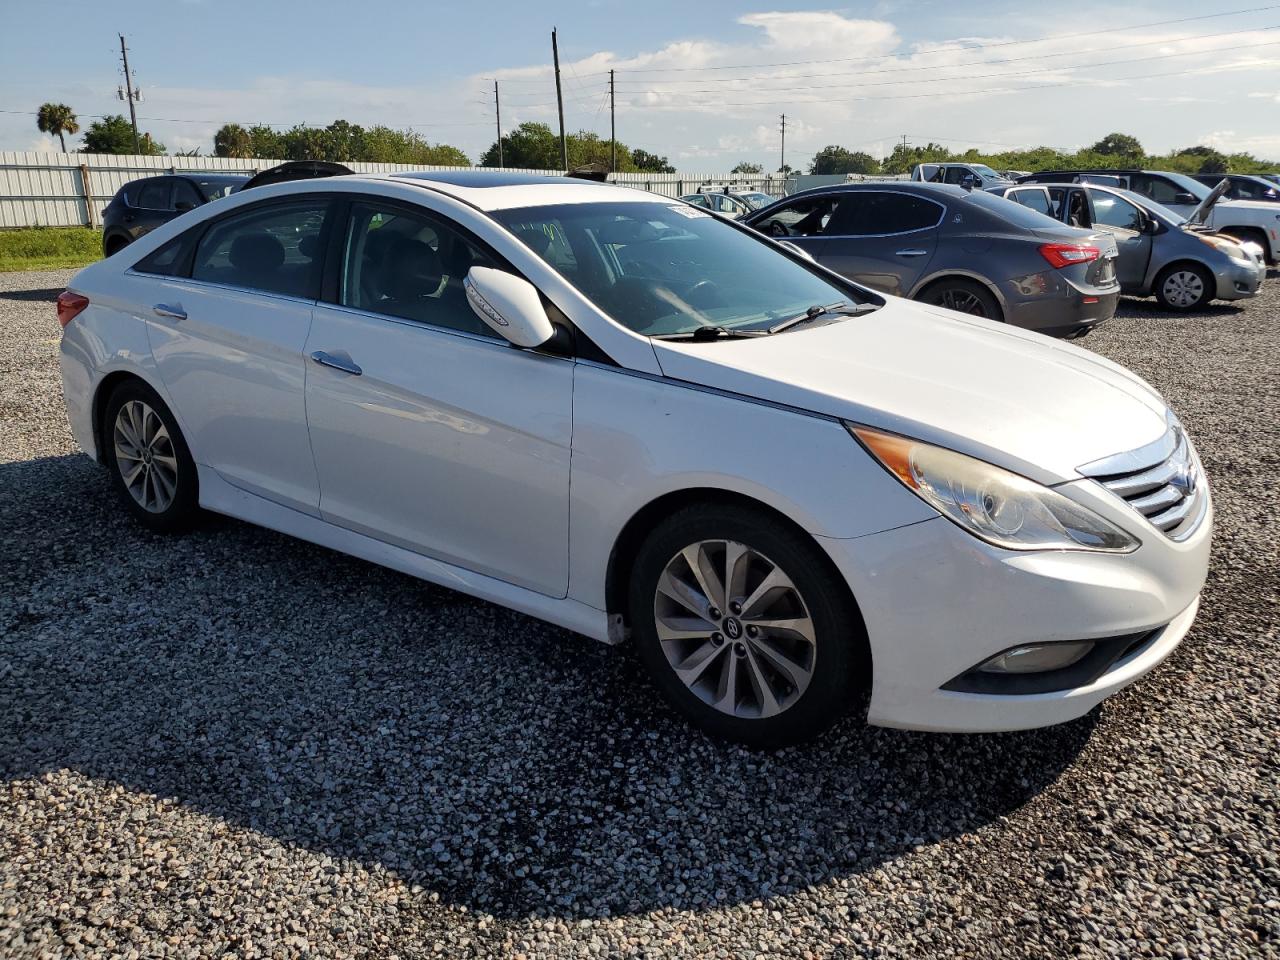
[(691, 212)]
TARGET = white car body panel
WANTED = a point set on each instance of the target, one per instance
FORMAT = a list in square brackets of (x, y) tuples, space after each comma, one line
[(510, 474)]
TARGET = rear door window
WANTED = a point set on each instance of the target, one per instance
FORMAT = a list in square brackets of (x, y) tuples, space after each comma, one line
[(153, 194), (275, 247), (869, 213)]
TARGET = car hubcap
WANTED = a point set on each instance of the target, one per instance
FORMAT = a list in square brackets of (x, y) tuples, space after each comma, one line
[(145, 457), (962, 301), (735, 629), (1184, 288)]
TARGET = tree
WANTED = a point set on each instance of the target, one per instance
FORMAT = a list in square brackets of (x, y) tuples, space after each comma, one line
[(114, 134), (265, 143), (650, 162), (530, 145), (1118, 145), (1215, 163), (57, 119), (786, 170), (1199, 150), (343, 141), (833, 159), (748, 168), (232, 140)]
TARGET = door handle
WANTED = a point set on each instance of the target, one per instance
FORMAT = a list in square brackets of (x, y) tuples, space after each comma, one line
[(329, 360), (911, 252), (165, 310)]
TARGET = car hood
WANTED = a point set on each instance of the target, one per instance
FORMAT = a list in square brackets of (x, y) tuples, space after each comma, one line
[(1201, 212), (1031, 404)]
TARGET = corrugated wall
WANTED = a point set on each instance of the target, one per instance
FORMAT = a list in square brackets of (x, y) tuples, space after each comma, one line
[(48, 189)]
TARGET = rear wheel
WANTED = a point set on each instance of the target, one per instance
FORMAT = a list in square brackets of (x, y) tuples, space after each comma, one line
[(744, 626), (963, 296), (151, 467), (1184, 286)]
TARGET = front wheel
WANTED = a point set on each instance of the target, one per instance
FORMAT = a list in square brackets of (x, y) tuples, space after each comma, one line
[(1183, 287), (745, 627)]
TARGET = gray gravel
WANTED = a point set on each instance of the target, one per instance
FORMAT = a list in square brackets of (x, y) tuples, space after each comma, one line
[(237, 742)]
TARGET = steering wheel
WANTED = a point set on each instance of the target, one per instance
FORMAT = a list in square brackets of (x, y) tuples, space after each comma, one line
[(704, 291)]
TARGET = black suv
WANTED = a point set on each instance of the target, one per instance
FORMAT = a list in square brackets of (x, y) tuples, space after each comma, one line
[(142, 205)]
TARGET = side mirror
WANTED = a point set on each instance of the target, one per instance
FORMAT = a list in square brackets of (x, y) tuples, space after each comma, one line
[(182, 206), (509, 305), (1185, 198)]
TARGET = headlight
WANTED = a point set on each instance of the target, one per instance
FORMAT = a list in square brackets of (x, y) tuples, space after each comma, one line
[(998, 506)]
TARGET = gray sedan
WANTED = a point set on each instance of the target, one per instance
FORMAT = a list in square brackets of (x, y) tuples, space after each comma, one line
[(966, 250), (1161, 255)]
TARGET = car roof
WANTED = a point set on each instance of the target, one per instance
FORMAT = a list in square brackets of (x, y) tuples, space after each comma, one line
[(903, 186), (212, 177), (500, 190)]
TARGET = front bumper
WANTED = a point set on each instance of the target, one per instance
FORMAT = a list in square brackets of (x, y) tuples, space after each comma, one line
[(1238, 281), (937, 601)]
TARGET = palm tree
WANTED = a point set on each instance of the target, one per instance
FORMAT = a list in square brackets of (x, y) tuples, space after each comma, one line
[(60, 119)]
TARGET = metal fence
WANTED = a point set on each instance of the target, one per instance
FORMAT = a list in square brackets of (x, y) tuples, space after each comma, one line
[(70, 189)]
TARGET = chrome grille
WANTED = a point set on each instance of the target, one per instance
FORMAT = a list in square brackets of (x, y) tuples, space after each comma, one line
[(1163, 481)]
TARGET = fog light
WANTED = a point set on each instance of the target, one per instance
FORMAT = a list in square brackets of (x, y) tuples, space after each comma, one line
[(1037, 657)]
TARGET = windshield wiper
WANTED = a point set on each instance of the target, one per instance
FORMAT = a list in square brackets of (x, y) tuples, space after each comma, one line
[(843, 308), (712, 333)]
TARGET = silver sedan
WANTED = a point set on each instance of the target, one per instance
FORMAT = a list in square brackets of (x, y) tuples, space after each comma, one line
[(1160, 253)]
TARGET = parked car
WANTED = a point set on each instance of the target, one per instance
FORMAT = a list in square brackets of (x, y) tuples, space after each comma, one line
[(1160, 253), (1243, 187), (589, 403), (1013, 174), (979, 175), (753, 198), (965, 250), (722, 203), (142, 205)]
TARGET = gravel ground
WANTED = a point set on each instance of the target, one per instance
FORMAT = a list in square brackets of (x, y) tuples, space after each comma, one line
[(236, 742)]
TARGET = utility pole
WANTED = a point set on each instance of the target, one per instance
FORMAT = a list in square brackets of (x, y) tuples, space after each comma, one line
[(782, 158), (497, 109), (613, 135), (564, 144), (129, 94)]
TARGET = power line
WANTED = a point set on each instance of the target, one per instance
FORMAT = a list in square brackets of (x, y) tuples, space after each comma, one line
[(951, 49), (955, 66)]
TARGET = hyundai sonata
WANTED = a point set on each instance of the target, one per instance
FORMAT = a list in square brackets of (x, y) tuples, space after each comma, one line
[(647, 424)]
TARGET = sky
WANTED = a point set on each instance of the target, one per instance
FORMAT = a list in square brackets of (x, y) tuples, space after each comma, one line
[(704, 84)]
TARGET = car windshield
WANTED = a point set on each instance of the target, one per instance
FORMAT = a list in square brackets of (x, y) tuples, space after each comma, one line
[(1193, 187), (217, 189), (1146, 203), (986, 171), (662, 269), (755, 200)]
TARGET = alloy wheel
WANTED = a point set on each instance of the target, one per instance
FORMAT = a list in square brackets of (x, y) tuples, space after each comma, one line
[(145, 456), (735, 629), (962, 301), (1183, 288)]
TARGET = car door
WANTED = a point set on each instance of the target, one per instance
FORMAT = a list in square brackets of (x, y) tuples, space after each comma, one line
[(802, 221), (228, 336), (429, 431), (1037, 198), (882, 238), (152, 206), (1127, 224)]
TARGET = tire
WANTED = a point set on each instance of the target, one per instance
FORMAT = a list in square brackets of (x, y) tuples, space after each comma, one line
[(963, 296), (1182, 287), (826, 651), (114, 245), (142, 442)]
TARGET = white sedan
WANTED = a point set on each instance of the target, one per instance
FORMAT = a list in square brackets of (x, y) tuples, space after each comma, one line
[(647, 424)]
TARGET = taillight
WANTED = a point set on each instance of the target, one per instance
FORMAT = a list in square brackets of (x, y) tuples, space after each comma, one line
[(69, 306), (1065, 254)]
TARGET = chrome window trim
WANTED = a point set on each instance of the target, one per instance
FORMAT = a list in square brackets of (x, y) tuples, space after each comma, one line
[(211, 284)]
